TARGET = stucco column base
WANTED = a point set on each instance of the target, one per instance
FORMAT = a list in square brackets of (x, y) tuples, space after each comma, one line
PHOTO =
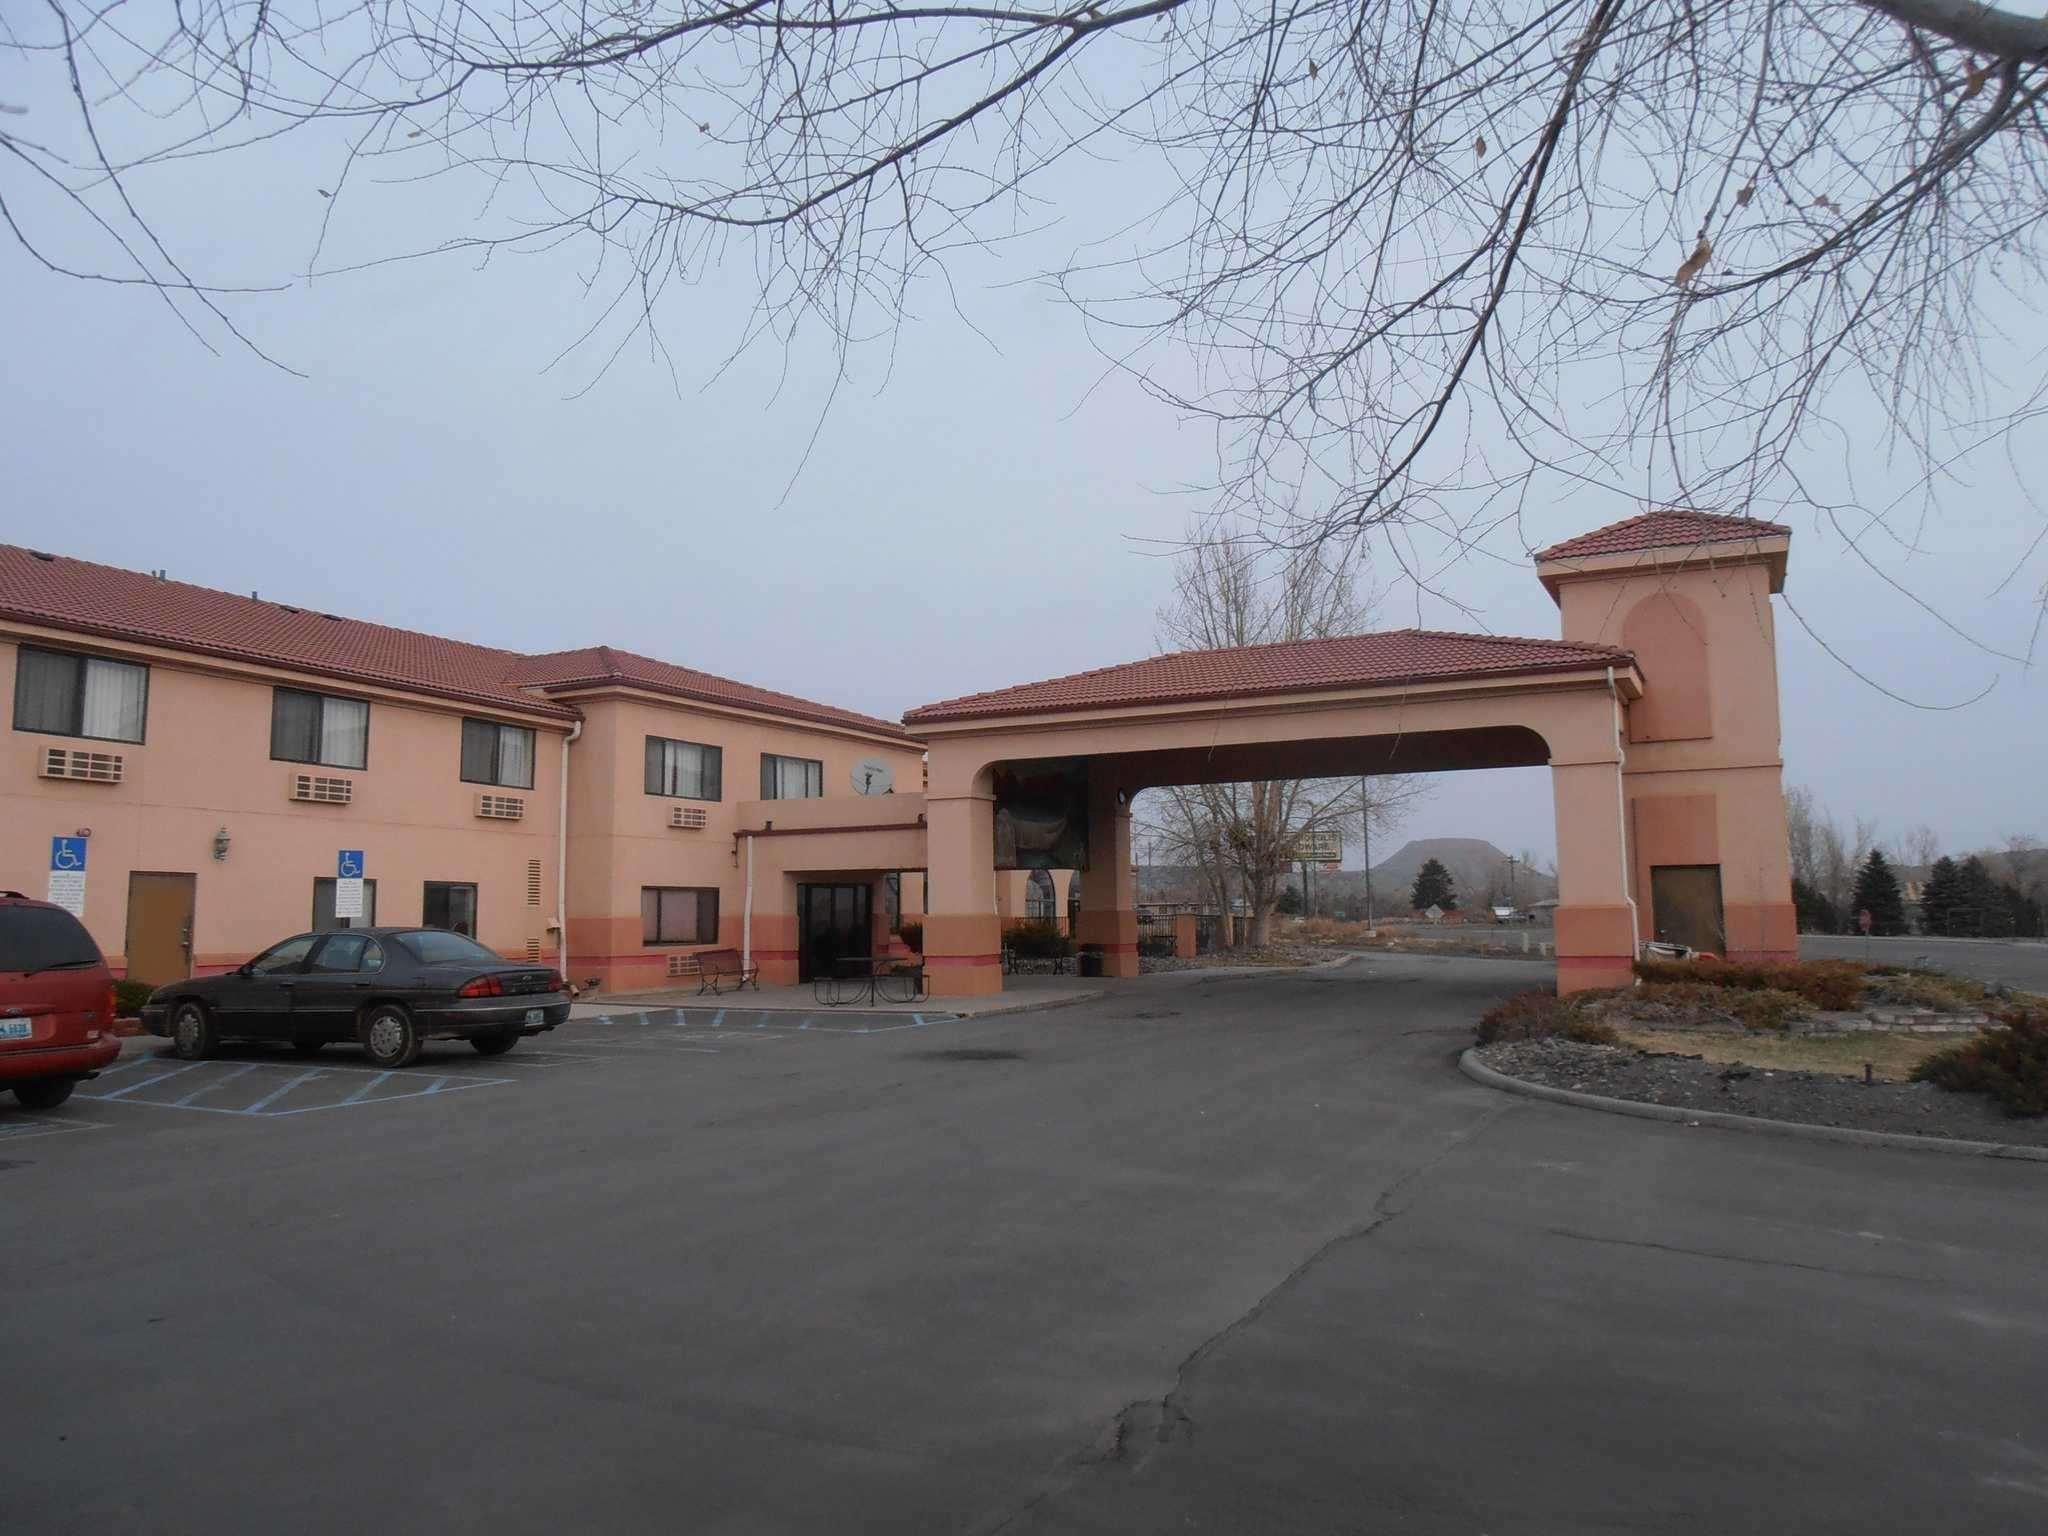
[(1762, 932), (1184, 936), (963, 954), (1595, 948), (1116, 934)]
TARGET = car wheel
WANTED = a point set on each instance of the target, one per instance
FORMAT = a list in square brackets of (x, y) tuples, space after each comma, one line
[(497, 1042), (45, 1092), (308, 1047), (391, 1037), (193, 1037)]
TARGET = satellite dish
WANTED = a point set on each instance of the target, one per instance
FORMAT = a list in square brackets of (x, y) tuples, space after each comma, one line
[(872, 776)]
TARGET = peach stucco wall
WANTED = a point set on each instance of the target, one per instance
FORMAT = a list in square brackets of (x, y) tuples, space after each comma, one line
[(621, 840), (1704, 776), (205, 765)]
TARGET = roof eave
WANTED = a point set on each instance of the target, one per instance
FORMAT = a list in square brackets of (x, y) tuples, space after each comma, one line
[(1773, 552)]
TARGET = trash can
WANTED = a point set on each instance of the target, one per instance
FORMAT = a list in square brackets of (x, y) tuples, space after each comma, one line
[(1089, 962)]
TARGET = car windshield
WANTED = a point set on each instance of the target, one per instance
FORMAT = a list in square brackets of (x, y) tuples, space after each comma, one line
[(44, 939), (436, 946)]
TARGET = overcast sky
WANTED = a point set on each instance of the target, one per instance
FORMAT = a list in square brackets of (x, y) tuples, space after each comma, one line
[(975, 511)]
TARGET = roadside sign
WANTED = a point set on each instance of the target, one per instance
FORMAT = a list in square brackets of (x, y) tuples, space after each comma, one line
[(1864, 920), (1319, 845), (1434, 913), (67, 874), (348, 883)]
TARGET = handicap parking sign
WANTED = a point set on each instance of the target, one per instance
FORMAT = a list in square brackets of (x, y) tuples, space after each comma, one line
[(67, 874), (348, 864)]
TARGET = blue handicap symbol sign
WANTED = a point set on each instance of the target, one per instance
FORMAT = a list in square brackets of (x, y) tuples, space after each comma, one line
[(67, 853), (348, 864)]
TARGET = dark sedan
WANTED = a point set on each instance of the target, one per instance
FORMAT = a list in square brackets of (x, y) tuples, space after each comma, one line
[(389, 989)]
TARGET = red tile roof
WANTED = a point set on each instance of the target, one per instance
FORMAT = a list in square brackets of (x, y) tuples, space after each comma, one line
[(1674, 529), (1381, 660), (597, 665), (107, 601)]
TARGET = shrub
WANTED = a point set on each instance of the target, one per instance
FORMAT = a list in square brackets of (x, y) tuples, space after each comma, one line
[(1159, 946), (1037, 941), (129, 996), (1924, 989), (1836, 985), (2009, 1064), (1542, 1016), (912, 935)]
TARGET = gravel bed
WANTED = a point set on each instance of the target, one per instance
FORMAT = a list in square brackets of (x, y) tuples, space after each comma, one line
[(1813, 1098)]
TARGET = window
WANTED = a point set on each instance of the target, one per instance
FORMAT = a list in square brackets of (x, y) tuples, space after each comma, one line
[(316, 728), (347, 954), (61, 695), (288, 956), (324, 920), (685, 769), (432, 947), (791, 778), (450, 906), (678, 915), (45, 939), (497, 754)]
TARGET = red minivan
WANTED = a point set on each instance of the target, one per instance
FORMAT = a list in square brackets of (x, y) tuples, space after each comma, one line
[(56, 1002)]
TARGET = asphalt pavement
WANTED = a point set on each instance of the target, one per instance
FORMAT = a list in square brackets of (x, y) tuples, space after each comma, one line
[(2019, 963), (1234, 1255)]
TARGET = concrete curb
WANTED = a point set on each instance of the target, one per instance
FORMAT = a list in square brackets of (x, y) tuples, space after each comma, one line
[(1470, 1064)]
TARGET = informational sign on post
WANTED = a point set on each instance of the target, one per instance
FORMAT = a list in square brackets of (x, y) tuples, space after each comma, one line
[(348, 884), (67, 874), (1320, 845)]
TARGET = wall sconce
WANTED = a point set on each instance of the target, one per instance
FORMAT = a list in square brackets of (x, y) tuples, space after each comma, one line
[(220, 844)]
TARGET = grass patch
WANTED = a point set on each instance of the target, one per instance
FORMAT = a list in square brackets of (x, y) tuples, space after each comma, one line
[(1927, 989), (1893, 1058)]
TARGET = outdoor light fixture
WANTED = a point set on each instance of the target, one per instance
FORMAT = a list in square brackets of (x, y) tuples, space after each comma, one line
[(220, 844)]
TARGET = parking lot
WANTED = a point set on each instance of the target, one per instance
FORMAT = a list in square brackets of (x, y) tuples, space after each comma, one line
[(1225, 1254)]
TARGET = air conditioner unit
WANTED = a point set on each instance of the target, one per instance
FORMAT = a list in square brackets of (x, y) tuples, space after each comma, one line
[(319, 789), (682, 965), (693, 818), (82, 767), (501, 807)]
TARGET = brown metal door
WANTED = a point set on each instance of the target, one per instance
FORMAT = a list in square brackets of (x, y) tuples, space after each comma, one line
[(1685, 900), (160, 927)]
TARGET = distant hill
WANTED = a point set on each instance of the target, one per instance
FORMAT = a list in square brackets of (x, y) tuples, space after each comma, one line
[(1475, 865)]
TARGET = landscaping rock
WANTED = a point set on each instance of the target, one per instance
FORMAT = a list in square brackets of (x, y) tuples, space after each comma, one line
[(1813, 1098)]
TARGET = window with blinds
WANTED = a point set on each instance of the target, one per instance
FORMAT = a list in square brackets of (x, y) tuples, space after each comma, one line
[(318, 728), (791, 778), (59, 694), (497, 754), (685, 770)]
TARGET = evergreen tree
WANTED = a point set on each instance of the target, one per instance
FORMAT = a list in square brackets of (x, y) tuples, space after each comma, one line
[(1877, 892), (2023, 913), (1433, 888), (1938, 897), (1288, 902), (1816, 913), (1979, 909)]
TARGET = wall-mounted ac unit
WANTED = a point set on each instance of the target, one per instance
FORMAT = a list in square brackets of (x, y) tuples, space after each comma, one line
[(693, 818), (83, 767), (682, 965), (501, 807), (319, 789)]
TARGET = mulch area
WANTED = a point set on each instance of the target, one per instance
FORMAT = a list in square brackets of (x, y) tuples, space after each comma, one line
[(1812, 1098)]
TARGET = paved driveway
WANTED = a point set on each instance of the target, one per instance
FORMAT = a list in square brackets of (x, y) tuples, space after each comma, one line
[(2020, 964), (1240, 1256)]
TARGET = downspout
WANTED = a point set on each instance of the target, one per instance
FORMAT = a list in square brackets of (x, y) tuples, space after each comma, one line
[(562, 860), (747, 910), (1635, 925)]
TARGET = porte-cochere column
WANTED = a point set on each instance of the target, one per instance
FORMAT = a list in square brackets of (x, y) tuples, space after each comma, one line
[(1109, 896), (1596, 918), (963, 935)]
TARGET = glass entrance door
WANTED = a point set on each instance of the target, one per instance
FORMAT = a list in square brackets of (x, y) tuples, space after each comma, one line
[(834, 922)]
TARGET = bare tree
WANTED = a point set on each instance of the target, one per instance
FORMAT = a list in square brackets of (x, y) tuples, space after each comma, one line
[(1427, 259), (1229, 590), (1919, 846)]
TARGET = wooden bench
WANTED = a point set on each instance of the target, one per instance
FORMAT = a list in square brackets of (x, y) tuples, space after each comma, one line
[(717, 966)]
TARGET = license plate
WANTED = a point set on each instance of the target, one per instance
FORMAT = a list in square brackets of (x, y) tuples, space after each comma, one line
[(536, 1015), (17, 1029)]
